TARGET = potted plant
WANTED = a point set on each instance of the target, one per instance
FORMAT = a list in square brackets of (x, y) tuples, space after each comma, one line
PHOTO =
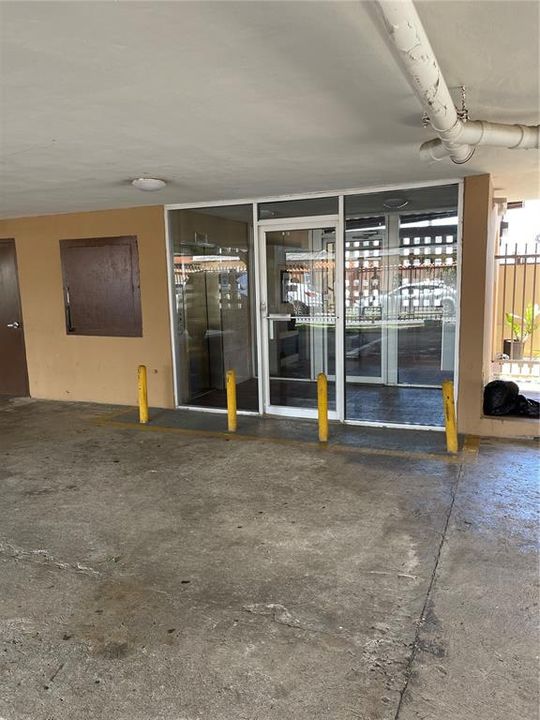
[(522, 328)]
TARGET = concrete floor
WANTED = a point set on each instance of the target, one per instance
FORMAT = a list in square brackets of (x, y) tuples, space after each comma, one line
[(161, 575), (292, 430)]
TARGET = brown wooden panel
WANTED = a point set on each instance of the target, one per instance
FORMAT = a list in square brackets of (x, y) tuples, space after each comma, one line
[(101, 286), (13, 370)]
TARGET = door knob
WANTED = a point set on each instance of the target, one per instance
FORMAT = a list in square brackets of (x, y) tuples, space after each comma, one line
[(14, 325)]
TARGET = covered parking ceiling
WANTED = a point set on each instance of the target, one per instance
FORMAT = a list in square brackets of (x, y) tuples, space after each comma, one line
[(228, 100)]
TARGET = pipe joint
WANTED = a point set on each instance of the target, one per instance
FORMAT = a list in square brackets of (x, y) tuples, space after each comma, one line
[(451, 134), (457, 139), (465, 156)]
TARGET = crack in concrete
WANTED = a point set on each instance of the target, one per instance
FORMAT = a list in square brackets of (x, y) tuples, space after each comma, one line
[(422, 619), (43, 557)]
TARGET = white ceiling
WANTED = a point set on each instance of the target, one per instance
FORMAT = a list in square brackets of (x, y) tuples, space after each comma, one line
[(232, 100)]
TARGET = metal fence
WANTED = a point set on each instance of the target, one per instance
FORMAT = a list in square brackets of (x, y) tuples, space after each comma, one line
[(413, 282), (516, 340)]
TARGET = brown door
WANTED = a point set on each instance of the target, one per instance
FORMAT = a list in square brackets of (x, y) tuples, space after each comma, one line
[(13, 373)]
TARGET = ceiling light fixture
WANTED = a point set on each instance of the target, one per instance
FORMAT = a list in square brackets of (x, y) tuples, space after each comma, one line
[(395, 203), (148, 184)]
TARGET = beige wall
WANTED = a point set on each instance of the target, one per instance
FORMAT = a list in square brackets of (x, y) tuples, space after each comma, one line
[(477, 311), (100, 369)]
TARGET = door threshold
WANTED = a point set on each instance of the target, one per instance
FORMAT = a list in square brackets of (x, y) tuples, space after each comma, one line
[(394, 426)]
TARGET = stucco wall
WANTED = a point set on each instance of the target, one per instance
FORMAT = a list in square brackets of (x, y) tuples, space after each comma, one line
[(100, 369)]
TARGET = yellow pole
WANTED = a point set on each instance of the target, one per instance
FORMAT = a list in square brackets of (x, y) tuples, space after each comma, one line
[(142, 386), (231, 401), (322, 406), (450, 416)]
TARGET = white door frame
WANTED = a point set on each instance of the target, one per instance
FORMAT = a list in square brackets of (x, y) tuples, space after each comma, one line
[(288, 224), (380, 379), (389, 356)]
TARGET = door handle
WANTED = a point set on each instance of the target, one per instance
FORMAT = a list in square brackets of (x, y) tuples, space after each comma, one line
[(69, 323), (277, 316), (15, 325)]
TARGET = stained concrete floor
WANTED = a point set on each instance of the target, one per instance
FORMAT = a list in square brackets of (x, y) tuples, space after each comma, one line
[(304, 431), (161, 575)]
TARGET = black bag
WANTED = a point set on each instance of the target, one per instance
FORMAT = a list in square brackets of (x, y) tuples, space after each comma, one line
[(528, 408), (500, 397)]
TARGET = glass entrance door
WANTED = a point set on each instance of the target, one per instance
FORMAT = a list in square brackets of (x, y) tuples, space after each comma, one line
[(400, 315), (299, 297)]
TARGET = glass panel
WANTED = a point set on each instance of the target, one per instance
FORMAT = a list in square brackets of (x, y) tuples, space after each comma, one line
[(300, 275), (364, 289), (401, 302), (214, 283), (440, 197), (424, 302), (298, 208)]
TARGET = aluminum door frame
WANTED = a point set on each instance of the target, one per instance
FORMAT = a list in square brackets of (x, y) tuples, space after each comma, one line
[(302, 223), (380, 379)]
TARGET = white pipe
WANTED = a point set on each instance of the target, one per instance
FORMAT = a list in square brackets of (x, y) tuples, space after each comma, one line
[(456, 138), (418, 59), (480, 132), (433, 150)]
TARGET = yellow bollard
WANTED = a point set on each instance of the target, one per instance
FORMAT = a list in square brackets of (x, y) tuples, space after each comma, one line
[(322, 406), (450, 416), (142, 386), (231, 401)]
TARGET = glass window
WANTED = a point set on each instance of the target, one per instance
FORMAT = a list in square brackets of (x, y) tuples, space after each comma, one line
[(214, 289), (423, 303), (298, 208), (363, 320), (400, 308)]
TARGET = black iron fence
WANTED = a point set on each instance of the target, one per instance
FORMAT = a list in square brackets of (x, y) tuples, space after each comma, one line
[(517, 311)]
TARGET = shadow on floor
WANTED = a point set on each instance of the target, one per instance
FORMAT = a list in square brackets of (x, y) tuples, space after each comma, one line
[(291, 430)]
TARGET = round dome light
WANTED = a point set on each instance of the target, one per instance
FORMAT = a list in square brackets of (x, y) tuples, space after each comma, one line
[(148, 184)]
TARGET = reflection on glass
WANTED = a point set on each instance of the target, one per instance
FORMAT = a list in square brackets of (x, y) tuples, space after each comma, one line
[(213, 283), (423, 304), (298, 208), (400, 304), (364, 289), (300, 270)]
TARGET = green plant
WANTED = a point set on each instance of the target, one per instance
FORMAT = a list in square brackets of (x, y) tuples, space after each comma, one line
[(523, 327)]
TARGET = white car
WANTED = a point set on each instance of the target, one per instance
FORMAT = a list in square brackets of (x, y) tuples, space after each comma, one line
[(425, 298)]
